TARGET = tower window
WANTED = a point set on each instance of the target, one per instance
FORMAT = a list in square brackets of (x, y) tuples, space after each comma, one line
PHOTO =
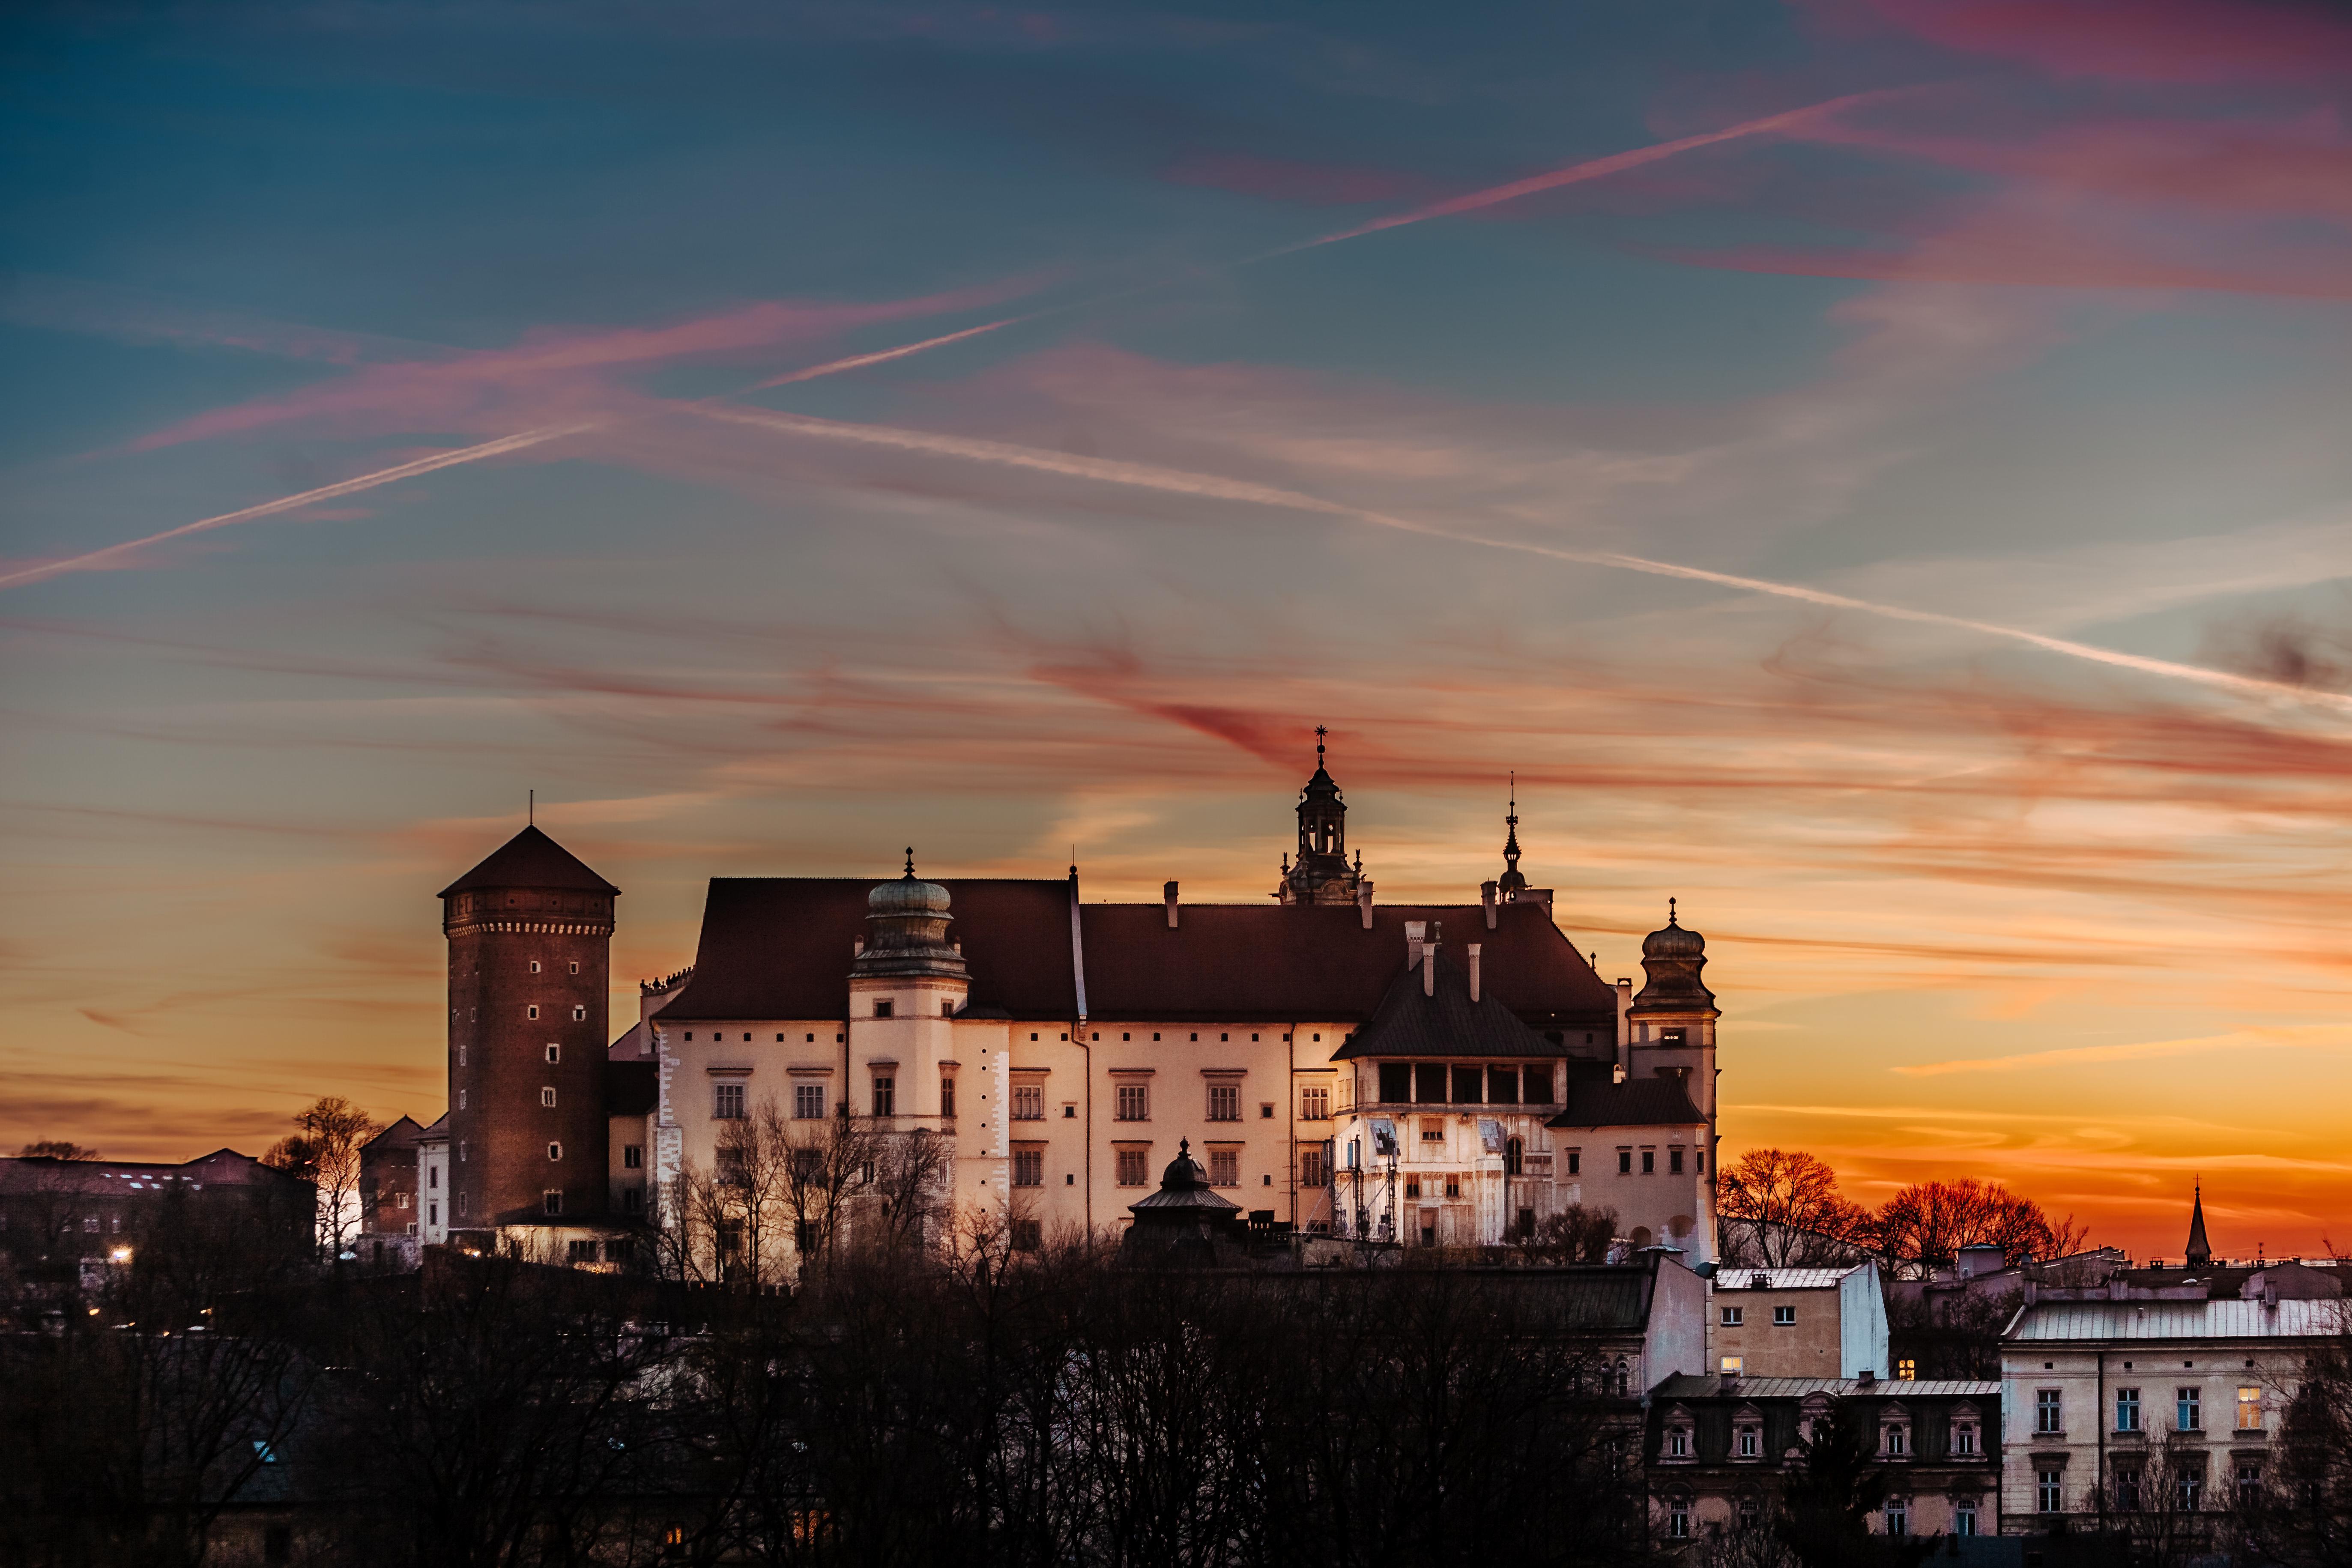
[(555, 1052), (576, 966), (881, 1006), (633, 1156), (886, 1096), (531, 1011), (534, 966), (555, 1150), (727, 1102), (547, 1096), (461, 1099), (551, 1201), (579, 1014)]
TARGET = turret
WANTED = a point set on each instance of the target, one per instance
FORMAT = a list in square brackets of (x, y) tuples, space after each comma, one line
[(1322, 874)]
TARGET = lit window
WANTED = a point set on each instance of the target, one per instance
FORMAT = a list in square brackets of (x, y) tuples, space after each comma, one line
[(1732, 1364), (808, 1101), (1732, 1315), (727, 1102), (1130, 1167), (547, 1096), (2250, 1409), (1224, 1167), (1906, 1368)]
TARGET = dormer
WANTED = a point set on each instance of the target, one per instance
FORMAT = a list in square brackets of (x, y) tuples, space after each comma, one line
[(1679, 1443), (1967, 1431), (1747, 1435), (1894, 1436)]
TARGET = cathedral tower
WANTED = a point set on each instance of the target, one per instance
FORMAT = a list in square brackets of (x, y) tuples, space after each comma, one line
[(530, 932), (1322, 874), (1672, 1019)]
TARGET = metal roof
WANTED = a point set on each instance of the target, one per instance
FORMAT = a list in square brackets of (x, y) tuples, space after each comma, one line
[(2046, 1322), (1685, 1386), (1740, 1278)]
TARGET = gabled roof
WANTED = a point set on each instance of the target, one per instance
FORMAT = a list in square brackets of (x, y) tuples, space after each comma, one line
[(779, 947), (530, 859), (1636, 1102), (1444, 1023), (403, 1131)]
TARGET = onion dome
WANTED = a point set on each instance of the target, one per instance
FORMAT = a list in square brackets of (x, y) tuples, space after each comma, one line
[(907, 924), (1672, 956)]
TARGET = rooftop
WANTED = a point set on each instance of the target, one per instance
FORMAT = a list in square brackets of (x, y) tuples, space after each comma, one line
[(2090, 1321), (1684, 1385), (530, 859), (1781, 1279)]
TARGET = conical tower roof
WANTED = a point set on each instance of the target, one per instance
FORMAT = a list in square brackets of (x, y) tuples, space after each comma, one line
[(2201, 1251), (531, 859)]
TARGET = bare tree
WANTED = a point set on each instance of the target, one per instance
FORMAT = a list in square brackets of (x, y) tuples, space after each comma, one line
[(1781, 1209), (2298, 1509), (1574, 1234), (1929, 1223), (2163, 1501), (826, 1164), (911, 1179), (325, 1149), (61, 1178)]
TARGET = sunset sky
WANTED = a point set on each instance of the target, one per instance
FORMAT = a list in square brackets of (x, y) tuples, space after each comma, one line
[(1878, 470)]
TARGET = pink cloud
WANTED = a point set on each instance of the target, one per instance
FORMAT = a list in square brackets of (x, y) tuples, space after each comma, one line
[(2214, 41), (554, 373)]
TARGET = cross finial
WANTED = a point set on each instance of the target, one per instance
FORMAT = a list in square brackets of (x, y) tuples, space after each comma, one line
[(1319, 732), (910, 863)]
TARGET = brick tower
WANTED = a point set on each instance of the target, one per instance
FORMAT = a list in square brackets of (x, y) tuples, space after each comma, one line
[(531, 932)]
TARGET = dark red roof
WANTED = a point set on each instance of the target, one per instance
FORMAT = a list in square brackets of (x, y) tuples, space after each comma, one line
[(531, 859), (1444, 1022), (780, 948), (1636, 1102)]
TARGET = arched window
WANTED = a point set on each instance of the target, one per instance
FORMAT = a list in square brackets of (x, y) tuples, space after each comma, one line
[(1514, 1153)]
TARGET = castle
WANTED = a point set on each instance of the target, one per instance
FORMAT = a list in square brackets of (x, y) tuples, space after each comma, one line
[(1424, 1074)]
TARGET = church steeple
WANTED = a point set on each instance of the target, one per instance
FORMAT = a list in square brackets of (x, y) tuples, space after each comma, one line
[(1512, 885), (1321, 874), (2201, 1251)]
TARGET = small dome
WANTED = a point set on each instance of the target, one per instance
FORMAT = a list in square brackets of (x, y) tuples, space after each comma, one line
[(1674, 941), (1184, 1171), (909, 895)]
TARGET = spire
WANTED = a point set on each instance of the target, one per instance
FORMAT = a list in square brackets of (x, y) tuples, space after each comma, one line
[(1320, 874), (1671, 918), (1512, 885), (910, 864), (2201, 1251)]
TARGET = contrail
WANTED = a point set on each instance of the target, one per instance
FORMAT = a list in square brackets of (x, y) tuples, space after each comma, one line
[(859, 362), (1179, 482), (515, 443), (1590, 169)]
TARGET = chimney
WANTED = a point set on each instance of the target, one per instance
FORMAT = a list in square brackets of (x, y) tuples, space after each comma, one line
[(1486, 900), (857, 947), (1472, 950), (1869, 1376), (1364, 902), (1168, 893), (1429, 961), (1414, 931), (2269, 1298)]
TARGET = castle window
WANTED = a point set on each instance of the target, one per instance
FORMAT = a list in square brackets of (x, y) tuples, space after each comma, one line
[(1310, 1167), (1433, 1130), (551, 1200), (1429, 1082), (947, 1006), (947, 1096), (534, 966), (1576, 1162), (808, 1102), (727, 1102), (1315, 1104), (461, 1202), (1674, 1162), (1515, 1156), (554, 1053), (1130, 1167), (1624, 1161), (1134, 1102), (1028, 1167), (555, 1150), (461, 1099), (1698, 1161), (1028, 1103), (461, 1055), (1027, 1234), (633, 1156), (576, 966), (547, 1096), (1224, 1103), (886, 1096), (1649, 1161), (1224, 1167), (881, 1006), (580, 1014), (532, 1012), (1452, 1187)]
